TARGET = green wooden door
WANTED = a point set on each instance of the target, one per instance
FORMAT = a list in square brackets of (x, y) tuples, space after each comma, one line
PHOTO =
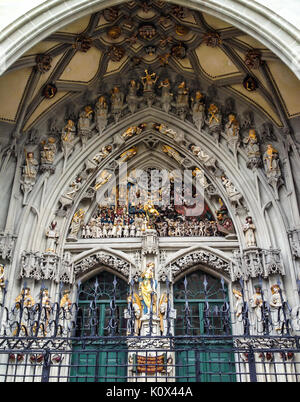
[(100, 356), (198, 302)]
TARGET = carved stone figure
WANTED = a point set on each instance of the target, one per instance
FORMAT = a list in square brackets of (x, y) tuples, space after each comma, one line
[(85, 124), (133, 130), (132, 98), (214, 121), (232, 130), (76, 224), (207, 160), (101, 113), (172, 153), (199, 174), (149, 81), (117, 103), (102, 179), (65, 301), (166, 95), (25, 299), (52, 236), (67, 198), (68, 138), (249, 231), (48, 153), (137, 309), (256, 303), (29, 174), (147, 289), (130, 153), (2, 283), (198, 110), (234, 195), (277, 314), (272, 167), (182, 100), (252, 149), (164, 129), (238, 308), (91, 164)]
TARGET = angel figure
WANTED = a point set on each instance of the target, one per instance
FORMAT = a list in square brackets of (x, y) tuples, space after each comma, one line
[(102, 179), (130, 153)]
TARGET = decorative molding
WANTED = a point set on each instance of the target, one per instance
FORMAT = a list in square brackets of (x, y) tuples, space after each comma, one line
[(88, 263)]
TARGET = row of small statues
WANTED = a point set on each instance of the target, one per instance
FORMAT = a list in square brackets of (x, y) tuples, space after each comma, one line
[(170, 227), (276, 313)]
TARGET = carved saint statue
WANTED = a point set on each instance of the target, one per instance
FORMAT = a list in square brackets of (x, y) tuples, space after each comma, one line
[(162, 313), (198, 110), (101, 112), (166, 95), (272, 167), (132, 98), (172, 153), (85, 124), (65, 301), (147, 289), (137, 309), (149, 81), (182, 100), (117, 103), (52, 236), (105, 151), (48, 153), (130, 153), (68, 138), (234, 195), (276, 305), (232, 130), (256, 303), (207, 160), (214, 121), (76, 224), (102, 179), (2, 283), (238, 308), (252, 150), (249, 230), (25, 299), (133, 130), (29, 175), (199, 174)]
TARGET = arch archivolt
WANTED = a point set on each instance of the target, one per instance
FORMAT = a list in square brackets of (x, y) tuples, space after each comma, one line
[(211, 260)]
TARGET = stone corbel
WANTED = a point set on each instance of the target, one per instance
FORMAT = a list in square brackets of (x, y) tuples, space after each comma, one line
[(7, 243)]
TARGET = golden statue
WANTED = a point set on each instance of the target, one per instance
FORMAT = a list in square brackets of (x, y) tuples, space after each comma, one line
[(149, 81), (147, 288), (130, 153), (213, 110), (102, 179), (163, 306), (151, 213), (26, 298), (65, 301)]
